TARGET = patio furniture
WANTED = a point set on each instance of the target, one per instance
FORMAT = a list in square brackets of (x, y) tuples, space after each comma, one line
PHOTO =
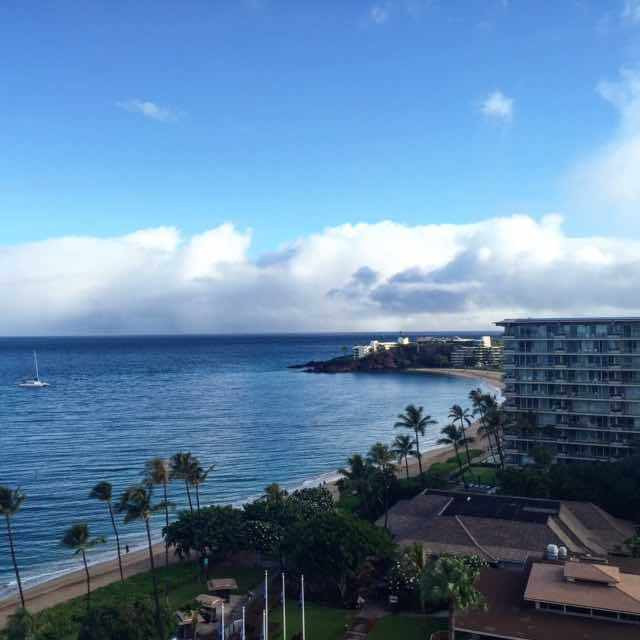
[(208, 605), (222, 587)]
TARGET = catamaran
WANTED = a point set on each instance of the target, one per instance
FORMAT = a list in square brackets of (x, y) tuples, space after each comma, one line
[(34, 383)]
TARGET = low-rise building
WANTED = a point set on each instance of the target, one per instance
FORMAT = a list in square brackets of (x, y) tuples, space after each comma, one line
[(546, 601), (505, 530)]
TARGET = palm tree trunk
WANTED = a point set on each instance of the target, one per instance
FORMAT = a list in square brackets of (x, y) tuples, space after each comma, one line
[(386, 505), (466, 443), (499, 446), (186, 484), (406, 465), (452, 620), (419, 456), (198, 499), (115, 532), (86, 570), (455, 446), (13, 558), (166, 520), (155, 584)]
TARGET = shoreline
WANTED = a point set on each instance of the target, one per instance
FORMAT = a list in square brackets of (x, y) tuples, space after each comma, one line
[(72, 585), (494, 378)]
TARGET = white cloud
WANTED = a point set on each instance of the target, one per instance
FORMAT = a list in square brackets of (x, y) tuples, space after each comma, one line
[(379, 14), (351, 277), (497, 105), (631, 11), (609, 179), (148, 109)]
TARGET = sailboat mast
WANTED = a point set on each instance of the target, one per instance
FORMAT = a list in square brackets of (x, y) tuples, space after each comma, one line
[(35, 360)]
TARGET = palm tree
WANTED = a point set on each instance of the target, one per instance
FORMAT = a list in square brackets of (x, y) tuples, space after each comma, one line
[(103, 491), (497, 422), (463, 418), (274, 493), (357, 471), (453, 436), (358, 479), (182, 464), (78, 538), (414, 419), (403, 448), (198, 476), (451, 579), (158, 472), (10, 502), (136, 504), (382, 458), (482, 404)]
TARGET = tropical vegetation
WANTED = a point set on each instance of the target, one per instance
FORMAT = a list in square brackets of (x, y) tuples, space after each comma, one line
[(451, 580), (10, 502), (78, 538)]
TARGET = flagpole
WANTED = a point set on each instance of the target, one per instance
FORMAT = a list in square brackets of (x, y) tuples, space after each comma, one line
[(304, 635), (243, 631), (264, 626), (266, 605), (284, 612), (222, 634)]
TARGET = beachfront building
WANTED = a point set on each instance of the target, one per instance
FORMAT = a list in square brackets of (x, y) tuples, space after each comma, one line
[(363, 350), (572, 387), (477, 354), (571, 600)]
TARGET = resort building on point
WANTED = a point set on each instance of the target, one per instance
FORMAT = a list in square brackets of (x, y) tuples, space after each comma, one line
[(477, 354), (572, 387), (363, 350)]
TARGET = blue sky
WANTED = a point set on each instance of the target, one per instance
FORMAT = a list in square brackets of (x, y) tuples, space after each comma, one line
[(267, 165), (288, 117)]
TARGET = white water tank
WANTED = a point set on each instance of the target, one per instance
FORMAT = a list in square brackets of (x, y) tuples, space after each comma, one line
[(552, 552)]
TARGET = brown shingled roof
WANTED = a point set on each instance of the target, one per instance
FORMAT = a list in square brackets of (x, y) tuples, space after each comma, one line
[(508, 616), (547, 583), (601, 573)]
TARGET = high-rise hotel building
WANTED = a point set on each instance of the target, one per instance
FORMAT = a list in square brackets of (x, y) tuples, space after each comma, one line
[(572, 386)]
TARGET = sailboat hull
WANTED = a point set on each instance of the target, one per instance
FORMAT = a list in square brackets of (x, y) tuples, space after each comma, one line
[(33, 384)]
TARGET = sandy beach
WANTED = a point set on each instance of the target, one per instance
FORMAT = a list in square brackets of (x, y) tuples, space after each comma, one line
[(73, 585), (492, 377)]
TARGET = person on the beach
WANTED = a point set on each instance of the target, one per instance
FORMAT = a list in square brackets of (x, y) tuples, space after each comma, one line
[(126, 548)]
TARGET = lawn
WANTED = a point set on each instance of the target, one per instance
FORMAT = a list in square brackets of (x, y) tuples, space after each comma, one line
[(405, 626), (181, 583), (481, 475), (321, 623)]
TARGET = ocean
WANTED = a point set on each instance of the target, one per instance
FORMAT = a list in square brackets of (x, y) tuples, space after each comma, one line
[(115, 402)]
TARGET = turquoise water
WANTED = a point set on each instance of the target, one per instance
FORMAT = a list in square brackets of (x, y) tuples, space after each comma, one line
[(113, 403)]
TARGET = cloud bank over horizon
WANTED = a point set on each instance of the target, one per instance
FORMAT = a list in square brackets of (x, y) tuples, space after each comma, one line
[(353, 277)]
